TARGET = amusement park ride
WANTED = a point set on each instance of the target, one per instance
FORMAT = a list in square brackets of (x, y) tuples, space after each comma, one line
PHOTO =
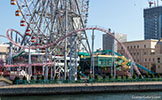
[(54, 34)]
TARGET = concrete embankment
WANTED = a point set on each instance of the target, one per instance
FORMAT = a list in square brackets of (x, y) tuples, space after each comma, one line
[(44, 89)]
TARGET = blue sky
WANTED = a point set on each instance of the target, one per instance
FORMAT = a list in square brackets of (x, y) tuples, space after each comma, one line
[(122, 16)]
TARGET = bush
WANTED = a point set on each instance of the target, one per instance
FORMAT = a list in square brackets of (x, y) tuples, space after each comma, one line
[(158, 75), (24, 78), (122, 77), (56, 77), (49, 77), (104, 76), (78, 77), (134, 76), (147, 76), (38, 77), (32, 78), (15, 80), (140, 76), (67, 77), (110, 77), (127, 76), (96, 76), (152, 76), (90, 76), (42, 77)]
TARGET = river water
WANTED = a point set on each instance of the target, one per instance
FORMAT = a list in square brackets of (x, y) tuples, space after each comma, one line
[(94, 96)]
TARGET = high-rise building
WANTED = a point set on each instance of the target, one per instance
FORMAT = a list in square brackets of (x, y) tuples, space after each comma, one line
[(108, 41), (153, 23)]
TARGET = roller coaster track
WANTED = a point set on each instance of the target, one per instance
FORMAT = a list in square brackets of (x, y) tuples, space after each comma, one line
[(61, 39)]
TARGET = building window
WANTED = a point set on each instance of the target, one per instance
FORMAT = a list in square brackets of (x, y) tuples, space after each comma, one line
[(144, 53), (145, 59), (128, 47), (144, 46), (149, 59), (134, 46), (121, 47), (131, 47), (137, 46), (137, 53), (158, 60), (134, 53), (153, 59), (158, 67)]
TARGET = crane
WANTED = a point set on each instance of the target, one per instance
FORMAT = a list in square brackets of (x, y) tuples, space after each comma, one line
[(151, 2)]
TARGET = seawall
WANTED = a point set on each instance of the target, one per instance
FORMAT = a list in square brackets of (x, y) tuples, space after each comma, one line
[(44, 89)]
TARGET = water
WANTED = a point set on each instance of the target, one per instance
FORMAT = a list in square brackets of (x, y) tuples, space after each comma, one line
[(94, 96)]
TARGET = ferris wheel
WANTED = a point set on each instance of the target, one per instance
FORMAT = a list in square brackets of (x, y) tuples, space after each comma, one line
[(47, 20)]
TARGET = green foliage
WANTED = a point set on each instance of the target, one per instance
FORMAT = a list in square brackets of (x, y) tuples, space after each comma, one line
[(152, 76), (110, 77), (38, 77), (147, 75), (140, 76), (24, 78), (104, 76), (42, 78), (127, 76), (56, 77), (134, 76), (158, 75), (78, 77), (49, 77), (90, 76), (16, 79), (122, 77), (32, 78), (96, 76), (67, 77)]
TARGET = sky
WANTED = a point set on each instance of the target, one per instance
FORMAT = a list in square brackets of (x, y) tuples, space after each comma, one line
[(122, 16)]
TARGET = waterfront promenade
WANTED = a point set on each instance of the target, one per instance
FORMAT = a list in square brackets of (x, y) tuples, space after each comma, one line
[(37, 89)]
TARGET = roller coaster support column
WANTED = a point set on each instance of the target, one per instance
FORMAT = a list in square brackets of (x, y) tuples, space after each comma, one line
[(10, 54), (65, 42), (92, 56), (113, 57), (46, 70), (43, 65), (29, 67)]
